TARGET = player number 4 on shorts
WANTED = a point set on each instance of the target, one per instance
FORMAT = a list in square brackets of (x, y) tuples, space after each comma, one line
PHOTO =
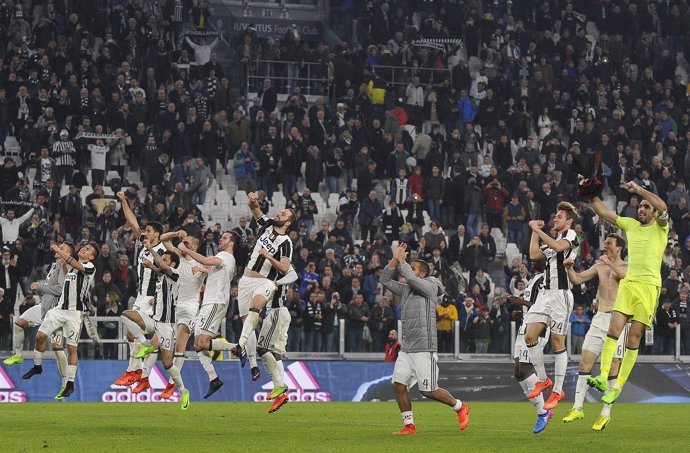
[(556, 326)]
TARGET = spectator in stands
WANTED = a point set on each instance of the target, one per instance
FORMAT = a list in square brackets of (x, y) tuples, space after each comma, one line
[(358, 316), (382, 320), (370, 216), (580, 323), (109, 329), (666, 323), (245, 164), (333, 313), (313, 321), (446, 315), (296, 307), (481, 331)]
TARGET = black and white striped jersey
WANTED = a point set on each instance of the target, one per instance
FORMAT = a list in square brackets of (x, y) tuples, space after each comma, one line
[(146, 285), (555, 275), (76, 289), (532, 290), (278, 245), (167, 288), (59, 154), (280, 295)]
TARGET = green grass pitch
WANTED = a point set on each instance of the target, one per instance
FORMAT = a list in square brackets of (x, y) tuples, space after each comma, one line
[(331, 427)]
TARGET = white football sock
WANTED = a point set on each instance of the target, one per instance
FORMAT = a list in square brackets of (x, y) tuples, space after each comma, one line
[(137, 331), (407, 418), (149, 362), (38, 358), (606, 410), (61, 359), (205, 359), (561, 366), (248, 328), (134, 363), (218, 345), (71, 372), (178, 361), (536, 354), (251, 349), (281, 370), (18, 340), (581, 391), (458, 406), (527, 385), (177, 378), (273, 369)]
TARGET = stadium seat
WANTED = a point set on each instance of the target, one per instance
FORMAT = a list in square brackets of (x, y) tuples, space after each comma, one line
[(512, 251)]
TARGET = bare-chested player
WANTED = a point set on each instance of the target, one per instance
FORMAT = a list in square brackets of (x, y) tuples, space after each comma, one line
[(610, 270)]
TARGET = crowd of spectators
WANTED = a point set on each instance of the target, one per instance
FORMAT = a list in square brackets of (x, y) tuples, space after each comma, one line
[(476, 141)]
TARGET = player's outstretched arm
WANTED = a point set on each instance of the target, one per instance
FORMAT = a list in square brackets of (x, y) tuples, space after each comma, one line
[(653, 199), (386, 279), (290, 277), (69, 259), (160, 265), (419, 285), (254, 205), (560, 246), (201, 259), (535, 252), (577, 278), (129, 215), (604, 212), (167, 237), (153, 267)]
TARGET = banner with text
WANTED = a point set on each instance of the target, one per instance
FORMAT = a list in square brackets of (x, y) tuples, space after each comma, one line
[(323, 381)]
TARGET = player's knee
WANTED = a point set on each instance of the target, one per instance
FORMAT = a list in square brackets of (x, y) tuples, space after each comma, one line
[(201, 344), (21, 323), (257, 303), (261, 351), (167, 363), (41, 337), (57, 347)]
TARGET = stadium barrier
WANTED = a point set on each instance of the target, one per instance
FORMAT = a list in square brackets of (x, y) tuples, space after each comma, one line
[(343, 353), (323, 381)]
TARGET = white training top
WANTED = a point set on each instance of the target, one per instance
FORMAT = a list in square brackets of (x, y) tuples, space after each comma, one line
[(219, 279), (189, 283)]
